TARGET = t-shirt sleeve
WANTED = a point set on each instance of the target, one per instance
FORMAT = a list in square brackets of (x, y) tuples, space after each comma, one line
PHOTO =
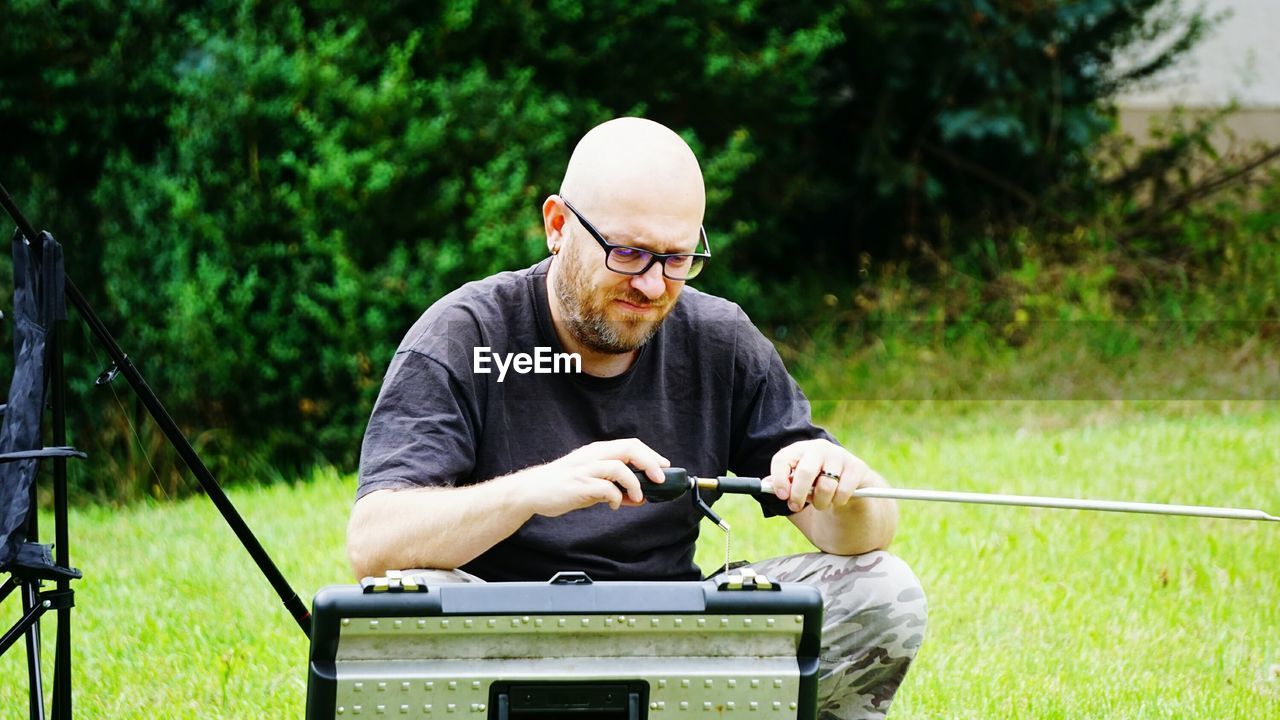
[(422, 432), (771, 412)]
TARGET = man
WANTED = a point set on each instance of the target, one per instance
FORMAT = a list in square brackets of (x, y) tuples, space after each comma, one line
[(491, 477)]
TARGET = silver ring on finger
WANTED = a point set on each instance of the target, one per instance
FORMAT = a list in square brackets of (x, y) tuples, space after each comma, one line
[(833, 476)]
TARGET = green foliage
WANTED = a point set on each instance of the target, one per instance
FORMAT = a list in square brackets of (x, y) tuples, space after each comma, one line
[(1079, 312), (265, 196), (306, 216)]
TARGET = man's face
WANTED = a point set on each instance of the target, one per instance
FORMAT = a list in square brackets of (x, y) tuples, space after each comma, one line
[(606, 311)]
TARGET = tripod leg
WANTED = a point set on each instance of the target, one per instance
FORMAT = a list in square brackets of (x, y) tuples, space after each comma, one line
[(30, 598), (62, 667), (62, 653)]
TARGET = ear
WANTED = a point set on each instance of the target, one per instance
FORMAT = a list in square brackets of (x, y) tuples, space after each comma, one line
[(553, 220)]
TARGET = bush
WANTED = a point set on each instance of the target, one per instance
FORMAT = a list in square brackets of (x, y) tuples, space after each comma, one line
[(266, 196)]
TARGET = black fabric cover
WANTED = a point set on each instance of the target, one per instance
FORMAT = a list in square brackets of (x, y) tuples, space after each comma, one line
[(38, 301), (35, 562)]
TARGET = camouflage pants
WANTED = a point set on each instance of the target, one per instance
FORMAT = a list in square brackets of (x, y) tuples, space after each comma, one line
[(874, 616), (873, 621)]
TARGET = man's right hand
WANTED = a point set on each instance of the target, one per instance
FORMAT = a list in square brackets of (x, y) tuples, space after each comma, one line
[(597, 473), (449, 527)]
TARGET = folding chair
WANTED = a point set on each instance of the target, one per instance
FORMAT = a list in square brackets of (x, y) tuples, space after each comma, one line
[(38, 303)]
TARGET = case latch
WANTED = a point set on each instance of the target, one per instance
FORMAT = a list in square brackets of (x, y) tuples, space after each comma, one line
[(747, 579), (570, 577), (394, 581)]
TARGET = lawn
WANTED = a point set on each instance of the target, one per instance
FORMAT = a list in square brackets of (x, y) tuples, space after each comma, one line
[(1033, 613)]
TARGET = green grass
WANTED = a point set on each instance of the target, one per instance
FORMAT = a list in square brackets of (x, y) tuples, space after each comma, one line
[(1034, 613)]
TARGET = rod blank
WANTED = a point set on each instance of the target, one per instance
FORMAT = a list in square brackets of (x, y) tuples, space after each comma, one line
[(678, 482), (1055, 503)]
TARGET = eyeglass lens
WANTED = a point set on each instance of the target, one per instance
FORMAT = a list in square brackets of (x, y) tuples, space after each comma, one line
[(633, 261)]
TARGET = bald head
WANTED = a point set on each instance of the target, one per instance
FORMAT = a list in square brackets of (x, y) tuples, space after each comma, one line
[(636, 167), (641, 187)]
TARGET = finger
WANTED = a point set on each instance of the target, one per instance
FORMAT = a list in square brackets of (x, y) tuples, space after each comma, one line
[(845, 492), (641, 457), (617, 472), (780, 469), (828, 481), (803, 477), (851, 478), (604, 489), (825, 487)]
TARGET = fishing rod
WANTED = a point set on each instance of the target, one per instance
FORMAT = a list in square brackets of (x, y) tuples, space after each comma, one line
[(678, 482)]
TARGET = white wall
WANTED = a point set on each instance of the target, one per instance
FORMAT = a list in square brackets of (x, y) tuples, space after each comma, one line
[(1239, 61)]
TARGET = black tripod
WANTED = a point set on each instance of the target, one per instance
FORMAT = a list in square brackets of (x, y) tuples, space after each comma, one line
[(40, 287)]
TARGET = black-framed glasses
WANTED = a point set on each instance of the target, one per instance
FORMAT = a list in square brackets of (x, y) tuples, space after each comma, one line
[(627, 260)]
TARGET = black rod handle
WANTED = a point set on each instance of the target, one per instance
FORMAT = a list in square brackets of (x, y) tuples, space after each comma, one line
[(674, 485)]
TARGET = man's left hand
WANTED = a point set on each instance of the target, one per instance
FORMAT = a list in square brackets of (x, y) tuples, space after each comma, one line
[(822, 468)]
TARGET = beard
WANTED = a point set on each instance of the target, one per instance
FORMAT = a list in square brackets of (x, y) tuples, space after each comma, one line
[(586, 312)]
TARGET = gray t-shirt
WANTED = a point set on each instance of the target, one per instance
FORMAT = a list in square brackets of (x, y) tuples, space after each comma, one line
[(708, 392)]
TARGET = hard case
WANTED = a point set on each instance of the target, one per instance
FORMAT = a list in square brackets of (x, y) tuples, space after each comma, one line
[(566, 649)]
